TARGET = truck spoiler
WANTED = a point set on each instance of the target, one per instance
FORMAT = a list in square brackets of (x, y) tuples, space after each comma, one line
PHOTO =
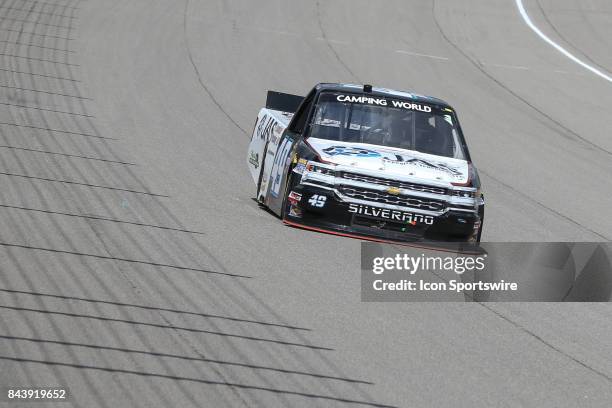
[(283, 102)]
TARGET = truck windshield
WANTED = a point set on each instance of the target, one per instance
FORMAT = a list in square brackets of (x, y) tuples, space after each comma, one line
[(383, 121)]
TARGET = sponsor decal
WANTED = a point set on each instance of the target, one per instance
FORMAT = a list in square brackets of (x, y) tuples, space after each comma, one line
[(277, 132), (362, 99), (391, 159), (299, 168), (383, 102), (392, 215), (265, 127), (279, 165), (400, 160), (411, 106), (294, 198), (295, 212), (254, 159), (350, 151)]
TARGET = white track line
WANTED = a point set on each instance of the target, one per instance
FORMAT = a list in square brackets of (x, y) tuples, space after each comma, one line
[(521, 8), (416, 54), (506, 66)]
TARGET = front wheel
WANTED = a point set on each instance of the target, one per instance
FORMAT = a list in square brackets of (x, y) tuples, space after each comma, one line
[(481, 216), (285, 205)]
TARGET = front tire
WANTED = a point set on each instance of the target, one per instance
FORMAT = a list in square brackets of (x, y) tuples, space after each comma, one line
[(285, 205), (481, 216)]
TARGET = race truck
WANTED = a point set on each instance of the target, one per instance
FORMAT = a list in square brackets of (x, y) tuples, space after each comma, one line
[(366, 162)]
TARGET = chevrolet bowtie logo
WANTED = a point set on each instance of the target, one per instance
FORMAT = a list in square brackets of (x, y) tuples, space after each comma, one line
[(393, 190)]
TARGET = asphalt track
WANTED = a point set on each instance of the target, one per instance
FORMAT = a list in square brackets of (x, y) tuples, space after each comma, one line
[(136, 269)]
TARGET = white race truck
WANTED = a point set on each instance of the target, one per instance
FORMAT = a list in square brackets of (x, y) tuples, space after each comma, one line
[(366, 162)]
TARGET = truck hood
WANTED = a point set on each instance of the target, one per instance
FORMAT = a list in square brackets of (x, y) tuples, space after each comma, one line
[(392, 161)]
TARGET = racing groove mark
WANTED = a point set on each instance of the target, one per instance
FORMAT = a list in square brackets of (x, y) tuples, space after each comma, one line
[(56, 130), (83, 184), (202, 381), (35, 45), (144, 307), (185, 358), (46, 110), (165, 326), (67, 155), (114, 258), (40, 59), (45, 92), (38, 34), (99, 218), (12, 71)]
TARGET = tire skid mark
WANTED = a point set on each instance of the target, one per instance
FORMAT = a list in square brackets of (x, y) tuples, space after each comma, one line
[(58, 374), (55, 5), (56, 130), (202, 381), (12, 71), (100, 218), (113, 258), (37, 34), (40, 60), (165, 326), (155, 308), (78, 183), (27, 44), (183, 357), (37, 12), (67, 155), (16, 20), (47, 110), (17, 88), (180, 338)]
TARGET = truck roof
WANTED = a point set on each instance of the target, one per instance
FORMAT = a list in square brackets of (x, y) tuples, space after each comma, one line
[(384, 92)]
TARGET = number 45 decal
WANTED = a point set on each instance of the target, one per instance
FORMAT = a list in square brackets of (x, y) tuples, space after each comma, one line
[(317, 200)]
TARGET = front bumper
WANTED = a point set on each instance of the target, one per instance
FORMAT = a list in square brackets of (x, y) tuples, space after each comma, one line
[(374, 222)]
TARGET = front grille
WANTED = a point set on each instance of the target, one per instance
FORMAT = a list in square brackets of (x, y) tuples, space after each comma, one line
[(388, 225), (393, 183), (386, 198)]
